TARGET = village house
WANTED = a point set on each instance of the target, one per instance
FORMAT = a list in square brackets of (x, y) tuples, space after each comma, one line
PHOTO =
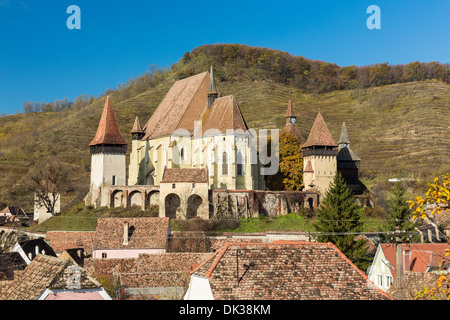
[(51, 278), (280, 271), (417, 257), (29, 249), (129, 237)]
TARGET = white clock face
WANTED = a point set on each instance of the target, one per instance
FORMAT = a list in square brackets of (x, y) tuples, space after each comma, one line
[(293, 120)]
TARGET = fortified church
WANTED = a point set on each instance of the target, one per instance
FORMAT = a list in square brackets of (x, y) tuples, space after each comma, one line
[(195, 157)]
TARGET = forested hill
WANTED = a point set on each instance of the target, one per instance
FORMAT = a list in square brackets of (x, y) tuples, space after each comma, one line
[(397, 116)]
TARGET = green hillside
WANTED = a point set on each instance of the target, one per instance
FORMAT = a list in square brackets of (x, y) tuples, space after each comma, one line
[(400, 129)]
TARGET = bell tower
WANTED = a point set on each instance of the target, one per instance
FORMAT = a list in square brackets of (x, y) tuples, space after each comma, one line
[(319, 157), (108, 149)]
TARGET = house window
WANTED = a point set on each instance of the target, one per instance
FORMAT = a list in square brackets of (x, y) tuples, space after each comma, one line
[(104, 255), (389, 281), (182, 154), (193, 186), (379, 280), (173, 185), (224, 164), (114, 180)]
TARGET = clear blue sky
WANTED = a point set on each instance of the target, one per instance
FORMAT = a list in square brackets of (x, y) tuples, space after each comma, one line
[(41, 59)]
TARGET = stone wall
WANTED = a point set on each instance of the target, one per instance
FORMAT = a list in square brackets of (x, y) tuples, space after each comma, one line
[(249, 203)]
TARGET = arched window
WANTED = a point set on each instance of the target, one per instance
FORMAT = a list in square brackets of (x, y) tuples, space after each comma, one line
[(224, 163), (239, 164)]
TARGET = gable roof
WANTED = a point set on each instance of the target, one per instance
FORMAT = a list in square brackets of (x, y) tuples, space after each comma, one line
[(285, 270), (181, 106), (224, 114), (150, 232), (33, 245), (108, 131), (423, 255), (319, 134), (42, 273)]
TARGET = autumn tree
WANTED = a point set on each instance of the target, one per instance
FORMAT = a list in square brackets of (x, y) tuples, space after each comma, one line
[(435, 202), (291, 161)]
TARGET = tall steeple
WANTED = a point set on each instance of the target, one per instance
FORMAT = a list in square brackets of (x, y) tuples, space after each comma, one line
[(344, 141), (291, 121), (137, 132), (108, 132), (212, 90), (108, 149)]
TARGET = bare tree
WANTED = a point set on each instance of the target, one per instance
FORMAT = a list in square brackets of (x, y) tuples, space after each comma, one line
[(48, 181)]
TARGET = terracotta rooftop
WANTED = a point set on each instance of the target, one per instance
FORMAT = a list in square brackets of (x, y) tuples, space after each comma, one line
[(224, 114), (319, 134), (42, 273), (187, 102), (294, 130), (286, 271), (182, 105), (147, 233), (108, 131), (172, 175), (422, 255)]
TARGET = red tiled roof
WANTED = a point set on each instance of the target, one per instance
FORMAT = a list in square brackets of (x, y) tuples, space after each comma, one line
[(150, 232), (108, 131), (172, 175), (42, 273), (423, 255), (285, 270), (224, 114), (294, 130), (181, 106), (319, 134)]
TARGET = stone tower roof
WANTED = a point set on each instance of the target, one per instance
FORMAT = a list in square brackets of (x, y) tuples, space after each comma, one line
[(108, 131), (319, 134), (343, 138)]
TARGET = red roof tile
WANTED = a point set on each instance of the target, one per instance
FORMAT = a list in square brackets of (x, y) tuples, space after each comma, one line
[(108, 131), (319, 134), (285, 270)]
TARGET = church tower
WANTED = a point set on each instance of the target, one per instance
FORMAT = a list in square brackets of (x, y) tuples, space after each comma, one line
[(108, 149), (319, 157), (291, 122)]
